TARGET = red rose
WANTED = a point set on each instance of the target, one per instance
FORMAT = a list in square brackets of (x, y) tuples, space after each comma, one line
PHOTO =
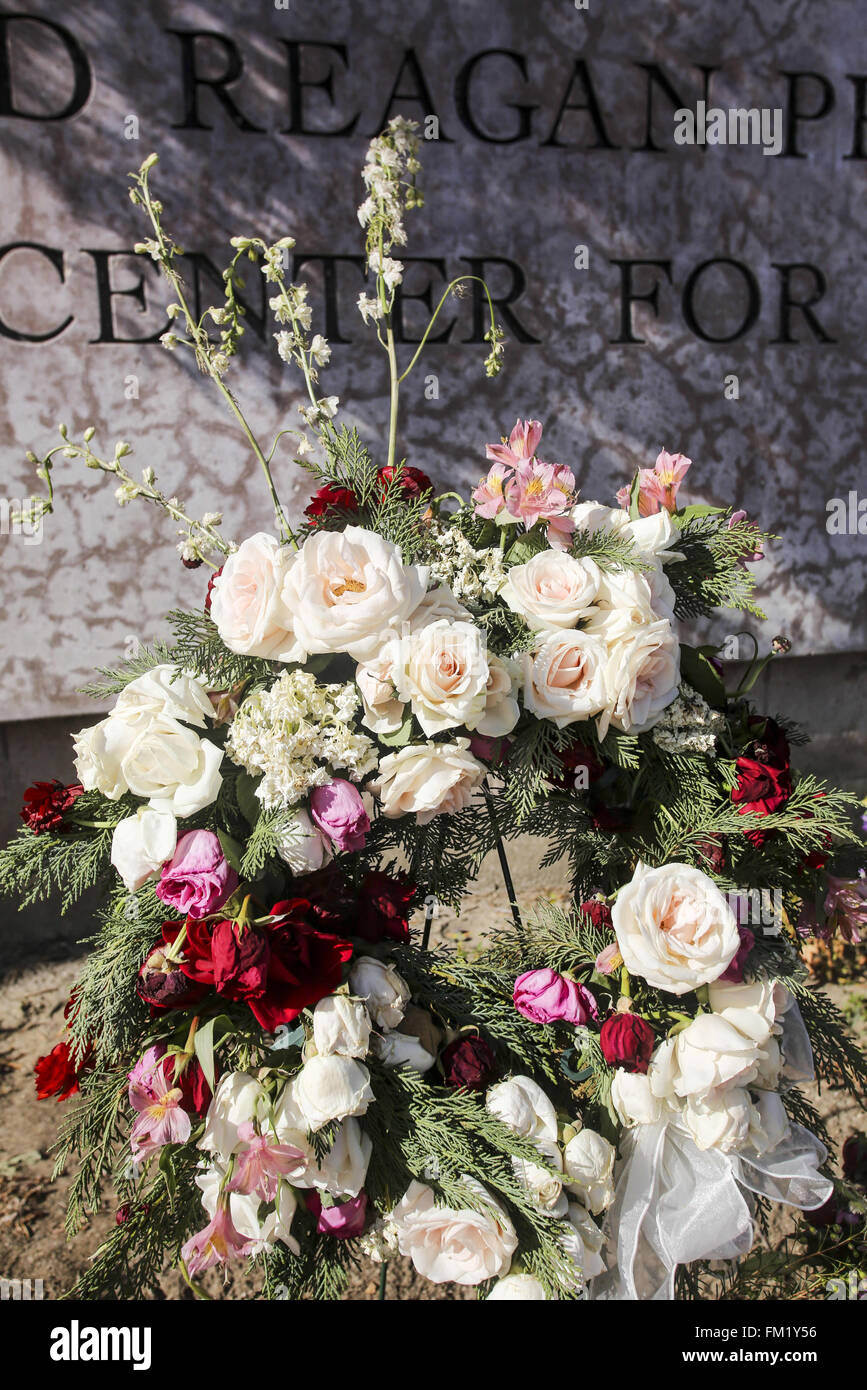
[(770, 744), (45, 804), (825, 1215), (163, 984), (412, 481), (210, 594), (580, 768), (598, 912), (384, 907), (240, 959), (713, 852), (330, 498), (191, 1081), (854, 1154), (626, 1041), (58, 1073), (761, 788), (469, 1062)]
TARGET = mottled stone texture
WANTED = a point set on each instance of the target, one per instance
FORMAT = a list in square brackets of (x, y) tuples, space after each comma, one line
[(792, 440)]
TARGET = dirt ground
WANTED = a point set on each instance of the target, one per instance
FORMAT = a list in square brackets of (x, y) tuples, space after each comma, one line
[(32, 1242)]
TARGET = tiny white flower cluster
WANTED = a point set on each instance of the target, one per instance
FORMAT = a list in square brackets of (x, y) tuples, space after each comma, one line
[(389, 157), (474, 576), (689, 725), (296, 734)]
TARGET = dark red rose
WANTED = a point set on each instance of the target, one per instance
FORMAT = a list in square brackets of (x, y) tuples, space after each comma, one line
[(610, 818), (412, 481), (713, 853), (384, 907), (580, 768), (854, 1155), (210, 594), (125, 1211), (190, 1080), (598, 912), (240, 958), (330, 498), (469, 1062), (163, 984), (734, 971), (45, 804), (761, 788), (305, 965), (825, 1215), (769, 744), (331, 898), (627, 1041), (58, 1073), (493, 751)]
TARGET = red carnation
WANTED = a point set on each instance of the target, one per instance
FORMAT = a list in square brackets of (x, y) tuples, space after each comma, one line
[(626, 1041), (469, 1062), (45, 804), (384, 907), (413, 482), (598, 912), (58, 1073), (210, 594), (330, 498)]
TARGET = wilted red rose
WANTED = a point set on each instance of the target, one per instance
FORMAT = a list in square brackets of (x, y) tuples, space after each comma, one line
[(384, 907), (769, 744), (330, 498), (626, 1041), (58, 1073), (598, 912), (854, 1155), (713, 853), (210, 594), (469, 1062), (45, 804), (162, 983), (186, 1073), (413, 482)]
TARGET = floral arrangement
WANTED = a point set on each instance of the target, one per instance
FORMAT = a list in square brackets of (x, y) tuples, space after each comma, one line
[(270, 1060)]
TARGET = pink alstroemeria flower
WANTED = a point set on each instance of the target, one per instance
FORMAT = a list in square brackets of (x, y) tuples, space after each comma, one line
[(846, 906), (657, 486), (521, 447), (489, 496), (540, 491), (260, 1166), (161, 1118), (217, 1244)]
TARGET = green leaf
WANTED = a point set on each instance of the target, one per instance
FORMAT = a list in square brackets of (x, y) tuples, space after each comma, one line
[(231, 849), (205, 1042), (699, 509), (697, 670), (525, 547), (400, 737), (245, 791)]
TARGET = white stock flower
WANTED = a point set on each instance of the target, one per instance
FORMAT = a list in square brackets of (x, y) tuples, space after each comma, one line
[(341, 1025), (564, 678), (349, 590), (383, 990), (674, 927), (303, 846), (588, 1162), (330, 1088), (633, 1099), (165, 690), (517, 1288), (403, 1050), (141, 844), (465, 1246), (552, 590), (522, 1106), (246, 601), (427, 779)]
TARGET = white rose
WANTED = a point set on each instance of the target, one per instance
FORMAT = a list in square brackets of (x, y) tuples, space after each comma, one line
[(442, 671), (642, 676), (437, 603), (517, 1288), (545, 1190), (674, 927), (710, 1052), (770, 1066), (449, 1246), (378, 984), (552, 590), (719, 1120), (141, 844), (247, 605), (331, 1088), (245, 1210), (623, 603), (99, 752), (769, 1123), (564, 678), (750, 1006), (342, 1171), (165, 690), (588, 1161), (522, 1106), (349, 590), (583, 1242), (428, 779), (239, 1099), (403, 1049), (651, 535), (383, 711), (342, 1025), (633, 1099), (303, 846), (171, 767)]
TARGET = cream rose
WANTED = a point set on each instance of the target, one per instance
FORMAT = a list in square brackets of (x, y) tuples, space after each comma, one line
[(246, 601), (564, 679), (641, 677), (517, 1288), (152, 756), (552, 590), (583, 1242), (341, 1025), (522, 1106), (330, 1088), (384, 992), (442, 671), (633, 1099), (383, 711), (349, 590), (719, 1120), (165, 690), (427, 779), (588, 1162), (545, 1190), (709, 1054), (674, 927), (465, 1246), (141, 844)]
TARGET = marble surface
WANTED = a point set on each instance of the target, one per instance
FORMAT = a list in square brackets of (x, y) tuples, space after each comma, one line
[(101, 578)]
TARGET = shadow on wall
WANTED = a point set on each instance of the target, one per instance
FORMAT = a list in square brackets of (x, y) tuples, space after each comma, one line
[(824, 694)]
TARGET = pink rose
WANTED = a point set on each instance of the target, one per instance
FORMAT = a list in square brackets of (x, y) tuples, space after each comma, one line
[(342, 1220), (338, 811), (198, 878), (546, 997)]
